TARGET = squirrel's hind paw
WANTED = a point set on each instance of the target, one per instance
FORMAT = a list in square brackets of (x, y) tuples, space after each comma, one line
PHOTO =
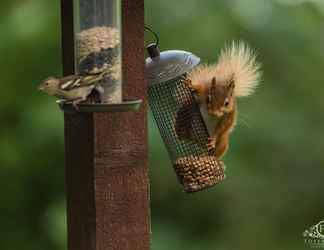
[(211, 145)]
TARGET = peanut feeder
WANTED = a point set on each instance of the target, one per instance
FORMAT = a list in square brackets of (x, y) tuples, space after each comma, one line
[(179, 120)]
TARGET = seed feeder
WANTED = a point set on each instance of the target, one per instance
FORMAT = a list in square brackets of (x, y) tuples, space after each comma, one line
[(97, 28), (179, 120), (98, 50)]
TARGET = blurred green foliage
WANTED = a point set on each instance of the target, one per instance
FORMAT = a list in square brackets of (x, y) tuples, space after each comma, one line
[(274, 168)]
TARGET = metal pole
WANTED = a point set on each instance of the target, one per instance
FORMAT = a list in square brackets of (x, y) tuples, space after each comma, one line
[(107, 180)]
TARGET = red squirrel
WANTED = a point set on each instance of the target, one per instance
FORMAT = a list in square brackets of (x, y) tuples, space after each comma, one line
[(216, 87)]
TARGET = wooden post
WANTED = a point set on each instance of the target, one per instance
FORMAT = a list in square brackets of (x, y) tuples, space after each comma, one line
[(107, 180)]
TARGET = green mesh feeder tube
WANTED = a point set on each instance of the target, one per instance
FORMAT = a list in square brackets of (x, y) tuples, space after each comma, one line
[(179, 120)]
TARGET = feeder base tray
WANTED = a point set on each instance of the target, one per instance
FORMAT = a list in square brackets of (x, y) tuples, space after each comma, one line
[(125, 106)]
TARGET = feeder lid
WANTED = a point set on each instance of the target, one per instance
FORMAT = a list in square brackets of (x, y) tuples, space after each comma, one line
[(169, 65)]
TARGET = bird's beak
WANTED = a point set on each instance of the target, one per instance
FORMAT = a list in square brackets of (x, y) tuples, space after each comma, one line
[(40, 88)]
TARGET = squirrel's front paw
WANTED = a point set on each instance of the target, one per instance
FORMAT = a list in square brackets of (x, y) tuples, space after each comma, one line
[(211, 144), (188, 82)]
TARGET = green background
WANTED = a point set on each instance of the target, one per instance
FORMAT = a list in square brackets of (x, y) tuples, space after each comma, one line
[(273, 190)]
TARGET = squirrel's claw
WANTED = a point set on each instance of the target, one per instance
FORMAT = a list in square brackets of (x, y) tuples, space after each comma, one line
[(188, 82), (211, 144)]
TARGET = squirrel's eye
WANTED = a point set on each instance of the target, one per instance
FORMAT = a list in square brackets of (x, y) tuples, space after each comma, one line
[(226, 103)]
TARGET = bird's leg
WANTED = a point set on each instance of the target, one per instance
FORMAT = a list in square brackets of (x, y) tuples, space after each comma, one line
[(76, 102)]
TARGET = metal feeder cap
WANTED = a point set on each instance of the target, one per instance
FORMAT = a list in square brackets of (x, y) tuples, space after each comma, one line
[(169, 65)]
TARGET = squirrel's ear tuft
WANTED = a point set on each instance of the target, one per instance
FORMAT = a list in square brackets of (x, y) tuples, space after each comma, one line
[(231, 83), (214, 82)]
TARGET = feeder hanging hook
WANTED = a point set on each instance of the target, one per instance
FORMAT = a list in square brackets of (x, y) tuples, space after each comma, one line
[(152, 48)]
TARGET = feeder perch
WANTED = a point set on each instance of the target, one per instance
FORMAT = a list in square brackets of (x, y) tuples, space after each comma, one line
[(125, 106), (179, 120)]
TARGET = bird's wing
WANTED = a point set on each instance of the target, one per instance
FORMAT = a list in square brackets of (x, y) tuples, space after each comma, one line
[(75, 81), (69, 82), (91, 79)]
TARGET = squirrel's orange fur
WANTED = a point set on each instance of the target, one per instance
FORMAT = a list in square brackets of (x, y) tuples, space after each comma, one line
[(217, 86)]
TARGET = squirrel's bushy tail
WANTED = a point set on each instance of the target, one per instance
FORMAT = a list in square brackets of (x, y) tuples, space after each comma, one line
[(239, 61)]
